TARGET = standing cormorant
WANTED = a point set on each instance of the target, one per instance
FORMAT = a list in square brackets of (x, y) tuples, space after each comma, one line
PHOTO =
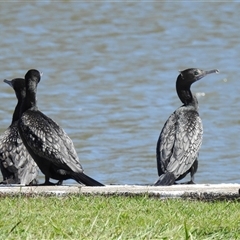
[(16, 164), (181, 136), (46, 141)]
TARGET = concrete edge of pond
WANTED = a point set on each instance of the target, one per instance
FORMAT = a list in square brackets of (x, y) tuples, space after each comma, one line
[(196, 191)]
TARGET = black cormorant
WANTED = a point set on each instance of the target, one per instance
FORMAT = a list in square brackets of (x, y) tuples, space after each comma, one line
[(16, 164), (46, 141), (181, 136)]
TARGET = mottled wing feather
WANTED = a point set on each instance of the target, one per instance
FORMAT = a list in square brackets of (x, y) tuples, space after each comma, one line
[(165, 144), (14, 153), (187, 142), (48, 140), (5, 158)]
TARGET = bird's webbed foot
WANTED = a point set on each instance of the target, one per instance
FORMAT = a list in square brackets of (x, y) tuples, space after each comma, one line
[(10, 181), (34, 182), (48, 183), (59, 183), (45, 184), (189, 182)]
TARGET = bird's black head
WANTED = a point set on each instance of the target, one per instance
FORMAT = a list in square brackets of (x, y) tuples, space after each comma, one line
[(18, 84), (185, 80), (32, 79), (33, 75), (191, 75)]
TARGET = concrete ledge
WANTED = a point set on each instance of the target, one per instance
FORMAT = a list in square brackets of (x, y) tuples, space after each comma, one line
[(197, 191)]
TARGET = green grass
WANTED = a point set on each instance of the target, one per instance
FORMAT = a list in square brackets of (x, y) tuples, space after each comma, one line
[(117, 217)]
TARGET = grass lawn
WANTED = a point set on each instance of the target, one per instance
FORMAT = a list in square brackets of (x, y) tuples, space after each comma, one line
[(117, 217)]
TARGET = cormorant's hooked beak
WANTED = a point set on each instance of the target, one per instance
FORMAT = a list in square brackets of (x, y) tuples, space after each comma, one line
[(9, 82), (212, 71), (204, 73)]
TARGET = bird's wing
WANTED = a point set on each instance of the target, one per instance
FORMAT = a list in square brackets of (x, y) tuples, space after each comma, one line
[(14, 153), (48, 140), (10, 148), (165, 144), (5, 154), (188, 139)]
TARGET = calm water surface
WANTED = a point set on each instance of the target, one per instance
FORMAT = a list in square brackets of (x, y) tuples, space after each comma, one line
[(109, 72)]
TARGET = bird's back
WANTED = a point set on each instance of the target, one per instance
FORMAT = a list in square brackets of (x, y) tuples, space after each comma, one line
[(46, 140)]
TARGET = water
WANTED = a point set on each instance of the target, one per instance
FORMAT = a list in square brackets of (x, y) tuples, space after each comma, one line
[(109, 72)]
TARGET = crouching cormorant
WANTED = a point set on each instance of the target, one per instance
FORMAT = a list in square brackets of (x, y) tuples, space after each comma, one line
[(181, 136), (46, 141), (16, 164)]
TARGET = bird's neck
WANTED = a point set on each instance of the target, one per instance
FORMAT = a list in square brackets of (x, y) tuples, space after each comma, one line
[(185, 96), (20, 95), (29, 102), (16, 113), (183, 91)]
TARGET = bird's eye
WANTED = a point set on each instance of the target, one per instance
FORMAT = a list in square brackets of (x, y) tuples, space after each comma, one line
[(195, 73)]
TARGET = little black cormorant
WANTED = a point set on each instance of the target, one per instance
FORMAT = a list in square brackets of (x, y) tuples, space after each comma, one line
[(47, 142), (181, 137), (16, 164)]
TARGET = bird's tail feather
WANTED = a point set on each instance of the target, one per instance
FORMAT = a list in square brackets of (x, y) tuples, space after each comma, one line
[(166, 179), (83, 178)]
